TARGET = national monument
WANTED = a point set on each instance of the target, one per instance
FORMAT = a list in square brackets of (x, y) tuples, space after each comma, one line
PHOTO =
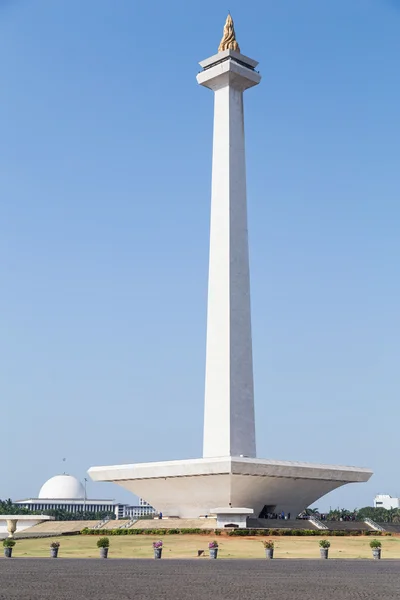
[(229, 479)]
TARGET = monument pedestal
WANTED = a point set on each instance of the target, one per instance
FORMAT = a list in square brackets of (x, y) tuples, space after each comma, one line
[(190, 488)]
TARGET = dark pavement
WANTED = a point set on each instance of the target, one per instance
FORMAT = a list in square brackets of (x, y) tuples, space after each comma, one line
[(70, 579)]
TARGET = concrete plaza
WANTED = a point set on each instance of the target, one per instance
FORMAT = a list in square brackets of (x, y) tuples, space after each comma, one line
[(70, 579)]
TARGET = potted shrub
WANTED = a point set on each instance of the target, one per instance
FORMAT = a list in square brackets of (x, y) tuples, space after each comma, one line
[(376, 546), (54, 546), (324, 546), (8, 544), (269, 548), (103, 543), (213, 548), (157, 547)]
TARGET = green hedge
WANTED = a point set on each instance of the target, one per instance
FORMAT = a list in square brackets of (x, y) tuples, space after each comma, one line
[(301, 532), (232, 532), (87, 531)]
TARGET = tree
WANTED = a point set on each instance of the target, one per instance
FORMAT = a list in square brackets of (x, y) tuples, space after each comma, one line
[(7, 507), (312, 512), (379, 515)]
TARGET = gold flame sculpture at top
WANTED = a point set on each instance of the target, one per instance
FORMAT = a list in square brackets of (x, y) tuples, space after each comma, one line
[(228, 41)]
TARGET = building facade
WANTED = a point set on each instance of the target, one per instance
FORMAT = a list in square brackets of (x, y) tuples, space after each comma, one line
[(71, 505), (136, 512), (65, 492), (386, 501)]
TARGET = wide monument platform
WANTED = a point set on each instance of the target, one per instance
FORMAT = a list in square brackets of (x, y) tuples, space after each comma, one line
[(191, 488)]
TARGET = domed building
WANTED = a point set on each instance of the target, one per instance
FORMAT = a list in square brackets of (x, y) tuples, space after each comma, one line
[(66, 492), (61, 487)]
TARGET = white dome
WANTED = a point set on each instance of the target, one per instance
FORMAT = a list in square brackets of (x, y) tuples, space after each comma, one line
[(62, 487)]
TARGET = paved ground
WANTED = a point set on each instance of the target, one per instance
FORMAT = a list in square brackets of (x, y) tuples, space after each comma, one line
[(70, 579)]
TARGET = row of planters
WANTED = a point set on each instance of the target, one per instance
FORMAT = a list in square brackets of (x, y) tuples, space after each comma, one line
[(103, 544), (375, 545), (9, 544), (269, 545), (324, 546)]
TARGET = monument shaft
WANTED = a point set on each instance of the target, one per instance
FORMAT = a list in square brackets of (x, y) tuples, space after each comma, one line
[(229, 426)]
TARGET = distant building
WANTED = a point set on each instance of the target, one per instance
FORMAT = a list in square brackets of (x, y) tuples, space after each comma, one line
[(65, 492), (143, 510), (386, 501)]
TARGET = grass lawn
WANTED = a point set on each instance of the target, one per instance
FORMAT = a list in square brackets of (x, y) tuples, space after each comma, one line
[(186, 546)]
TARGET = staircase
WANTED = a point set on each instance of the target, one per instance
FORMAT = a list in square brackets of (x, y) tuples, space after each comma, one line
[(318, 524), (374, 525), (101, 524), (128, 524)]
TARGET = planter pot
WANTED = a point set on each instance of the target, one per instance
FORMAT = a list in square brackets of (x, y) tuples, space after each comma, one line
[(269, 553), (213, 552), (324, 552), (8, 552), (103, 552), (53, 552), (376, 553), (157, 552)]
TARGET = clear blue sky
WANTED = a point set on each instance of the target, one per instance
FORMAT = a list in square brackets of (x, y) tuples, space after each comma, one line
[(105, 166)]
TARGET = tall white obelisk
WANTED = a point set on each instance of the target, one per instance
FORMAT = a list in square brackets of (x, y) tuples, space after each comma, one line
[(229, 427), (229, 480)]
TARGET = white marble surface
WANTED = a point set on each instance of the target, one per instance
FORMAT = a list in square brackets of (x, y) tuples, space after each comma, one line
[(229, 427), (190, 488), (220, 56)]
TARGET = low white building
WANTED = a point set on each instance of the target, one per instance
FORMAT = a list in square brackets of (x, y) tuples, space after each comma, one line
[(65, 492), (386, 501)]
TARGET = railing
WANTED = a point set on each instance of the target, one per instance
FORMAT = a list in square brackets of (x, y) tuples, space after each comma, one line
[(318, 524), (374, 525), (128, 524), (102, 523)]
